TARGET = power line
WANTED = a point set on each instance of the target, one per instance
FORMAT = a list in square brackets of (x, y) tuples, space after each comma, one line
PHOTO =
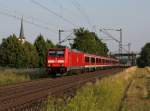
[(113, 38), (27, 21), (78, 6), (109, 35), (61, 6), (31, 18), (67, 38), (52, 12), (39, 20)]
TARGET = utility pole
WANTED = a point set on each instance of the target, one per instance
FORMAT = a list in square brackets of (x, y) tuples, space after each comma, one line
[(120, 42), (59, 39), (113, 38), (129, 47), (128, 50), (129, 57)]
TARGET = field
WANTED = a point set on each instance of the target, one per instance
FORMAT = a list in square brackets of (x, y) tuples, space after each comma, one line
[(105, 95), (12, 76)]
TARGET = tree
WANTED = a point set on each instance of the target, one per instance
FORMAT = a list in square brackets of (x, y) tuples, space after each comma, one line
[(10, 52), (101, 48), (144, 59), (89, 42), (42, 47), (15, 54), (49, 44), (31, 55)]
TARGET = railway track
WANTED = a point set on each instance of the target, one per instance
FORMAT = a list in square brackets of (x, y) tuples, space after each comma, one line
[(28, 96)]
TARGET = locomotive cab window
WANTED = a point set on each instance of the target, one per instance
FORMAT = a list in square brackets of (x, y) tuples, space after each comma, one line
[(56, 53), (51, 53), (60, 53)]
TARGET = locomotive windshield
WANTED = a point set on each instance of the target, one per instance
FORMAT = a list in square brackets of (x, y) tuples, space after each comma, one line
[(57, 53)]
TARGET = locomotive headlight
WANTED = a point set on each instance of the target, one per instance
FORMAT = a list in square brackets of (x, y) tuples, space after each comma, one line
[(51, 61), (60, 61)]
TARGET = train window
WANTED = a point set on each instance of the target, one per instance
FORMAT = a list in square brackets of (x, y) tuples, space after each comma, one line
[(52, 53), (60, 53), (93, 60), (56, 53), (106, 61), (87, 59), (97, 60)]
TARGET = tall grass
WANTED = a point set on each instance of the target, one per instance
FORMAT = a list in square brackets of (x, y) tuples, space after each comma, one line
[(105, 95), (10, 77), (148, 69), (137, 97)]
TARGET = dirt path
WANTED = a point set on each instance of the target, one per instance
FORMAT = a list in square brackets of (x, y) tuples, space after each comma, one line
[(138, 95)]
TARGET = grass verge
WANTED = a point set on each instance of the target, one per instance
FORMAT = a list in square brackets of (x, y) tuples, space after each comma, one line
[(9, 77), (137, 98), (12, 76), (105, 95)]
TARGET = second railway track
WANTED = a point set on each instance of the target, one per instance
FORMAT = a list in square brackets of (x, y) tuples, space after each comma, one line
[(20, 96)]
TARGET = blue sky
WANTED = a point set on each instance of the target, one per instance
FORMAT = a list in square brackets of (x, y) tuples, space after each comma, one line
[(130, 15)]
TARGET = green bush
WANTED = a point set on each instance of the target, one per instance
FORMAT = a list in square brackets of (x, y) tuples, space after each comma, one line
[(144, 59)]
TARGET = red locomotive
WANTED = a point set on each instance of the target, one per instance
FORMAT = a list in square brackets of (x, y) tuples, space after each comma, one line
[(61, 60)]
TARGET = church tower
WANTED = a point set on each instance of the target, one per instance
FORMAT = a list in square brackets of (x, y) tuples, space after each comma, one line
[(21, 36)]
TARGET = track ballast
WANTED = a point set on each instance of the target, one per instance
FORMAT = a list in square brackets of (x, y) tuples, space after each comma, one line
[(30, 95)]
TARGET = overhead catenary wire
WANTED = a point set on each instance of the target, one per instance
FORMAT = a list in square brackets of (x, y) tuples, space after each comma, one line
[(67, 38), (64, 8), (113, 38), (52, 12), (30, 18), (109, 35), (27, 21), (82, 12)]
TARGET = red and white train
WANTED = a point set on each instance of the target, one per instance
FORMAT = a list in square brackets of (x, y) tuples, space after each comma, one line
[(61, 60)]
